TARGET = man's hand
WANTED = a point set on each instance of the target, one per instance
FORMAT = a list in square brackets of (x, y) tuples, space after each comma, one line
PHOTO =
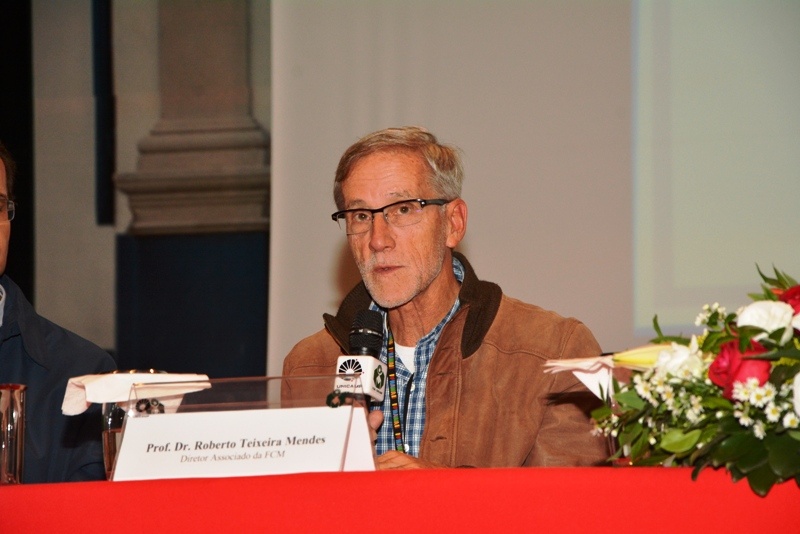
[(393, 459), (374, 422), (399, 460)]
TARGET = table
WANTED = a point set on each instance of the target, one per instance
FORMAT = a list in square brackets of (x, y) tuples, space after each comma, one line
[(601, 499)]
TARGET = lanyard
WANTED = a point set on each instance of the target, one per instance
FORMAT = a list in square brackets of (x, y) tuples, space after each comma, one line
[(392, 372)]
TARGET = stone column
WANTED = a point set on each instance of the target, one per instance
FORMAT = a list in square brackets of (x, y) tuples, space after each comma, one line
[(204, 166)]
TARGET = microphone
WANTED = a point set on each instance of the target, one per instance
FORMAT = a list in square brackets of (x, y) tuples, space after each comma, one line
[(366, 334), (366, 342)]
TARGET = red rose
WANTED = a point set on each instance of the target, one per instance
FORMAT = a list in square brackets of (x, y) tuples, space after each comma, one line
[(730, 366), (791, 297)]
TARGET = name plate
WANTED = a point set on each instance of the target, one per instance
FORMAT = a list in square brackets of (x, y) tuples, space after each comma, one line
[(244, 443)]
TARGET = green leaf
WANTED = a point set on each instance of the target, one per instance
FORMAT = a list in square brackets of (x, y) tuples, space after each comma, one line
[(629, 433), (699, 466), (677, 441), (784, 454), (709, 434), (793, 353), (771, 281), (776, 335), (783, 373), (630, 399), (766, 295), (730, 425), (752, 459), (784, 279), (602, 412), (617, 454), (703, 454), (652, 460), (656, 327), (746, 334), (707, 424), (736, 473), (717, 403), (713, 340), (762, 479), (661, 338), (733, 447), (641, 445)]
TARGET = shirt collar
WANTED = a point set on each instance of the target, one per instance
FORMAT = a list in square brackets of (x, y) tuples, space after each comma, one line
[(458, 271)]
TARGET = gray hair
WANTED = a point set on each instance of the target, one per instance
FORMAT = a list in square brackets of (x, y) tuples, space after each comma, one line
[(443, 161)]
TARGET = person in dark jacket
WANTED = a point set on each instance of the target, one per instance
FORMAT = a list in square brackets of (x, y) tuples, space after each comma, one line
[(44, 356)]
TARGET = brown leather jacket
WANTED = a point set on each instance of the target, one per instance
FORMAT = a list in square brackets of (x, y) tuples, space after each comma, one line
[(489, 402)]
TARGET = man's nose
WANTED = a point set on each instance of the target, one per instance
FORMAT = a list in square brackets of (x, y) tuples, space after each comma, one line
[(381, 237)]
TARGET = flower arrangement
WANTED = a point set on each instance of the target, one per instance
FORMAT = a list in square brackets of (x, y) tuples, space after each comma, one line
[(729, 397)]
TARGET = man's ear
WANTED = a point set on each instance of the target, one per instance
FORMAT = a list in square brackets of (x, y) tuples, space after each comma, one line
[(456, 222)]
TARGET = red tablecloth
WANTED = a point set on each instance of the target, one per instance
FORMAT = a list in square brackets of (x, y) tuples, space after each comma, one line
[(515, 500)]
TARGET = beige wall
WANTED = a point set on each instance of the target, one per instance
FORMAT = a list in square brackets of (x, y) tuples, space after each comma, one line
[(74, 275), (538, 96)]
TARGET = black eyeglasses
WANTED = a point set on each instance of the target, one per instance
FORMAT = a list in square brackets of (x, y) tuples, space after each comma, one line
[(400, 213), (7, 209)]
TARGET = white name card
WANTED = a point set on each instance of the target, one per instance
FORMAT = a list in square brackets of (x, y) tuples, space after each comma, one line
[(244, 443)]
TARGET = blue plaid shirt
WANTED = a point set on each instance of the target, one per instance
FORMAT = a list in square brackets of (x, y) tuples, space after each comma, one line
[(411, 387)]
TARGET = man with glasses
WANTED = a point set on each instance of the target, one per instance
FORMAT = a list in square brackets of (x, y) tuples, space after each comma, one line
[(43, 356), (465, 360)]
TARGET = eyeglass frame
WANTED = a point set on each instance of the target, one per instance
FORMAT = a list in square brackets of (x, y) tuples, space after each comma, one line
[(11, 207), (422, 201)]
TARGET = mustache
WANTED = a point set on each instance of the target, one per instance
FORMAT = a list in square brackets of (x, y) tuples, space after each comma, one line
[(373, 262)]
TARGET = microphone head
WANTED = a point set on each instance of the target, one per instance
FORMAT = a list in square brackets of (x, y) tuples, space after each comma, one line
[(366, 335)]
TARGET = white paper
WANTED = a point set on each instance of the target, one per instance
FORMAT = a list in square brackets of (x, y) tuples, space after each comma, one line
[(244, 443), (594, 373), (360, 455), (84, 390)]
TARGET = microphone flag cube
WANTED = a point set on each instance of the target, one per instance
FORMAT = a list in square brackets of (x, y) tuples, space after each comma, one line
[(371, 371)]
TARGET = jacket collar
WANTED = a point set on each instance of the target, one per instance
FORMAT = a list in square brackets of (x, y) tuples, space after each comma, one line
[(20, 317), (479, 299)]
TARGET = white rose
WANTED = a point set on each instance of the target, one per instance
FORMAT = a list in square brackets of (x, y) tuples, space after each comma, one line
[(770, 316), (680, 360), (796, 388)]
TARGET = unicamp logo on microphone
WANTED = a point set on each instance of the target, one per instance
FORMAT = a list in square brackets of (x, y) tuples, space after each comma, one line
[(353, 366), (372, 374), (350, 367)]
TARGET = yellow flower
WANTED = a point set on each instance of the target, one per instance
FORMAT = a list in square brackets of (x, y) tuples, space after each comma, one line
[(640, 358)]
